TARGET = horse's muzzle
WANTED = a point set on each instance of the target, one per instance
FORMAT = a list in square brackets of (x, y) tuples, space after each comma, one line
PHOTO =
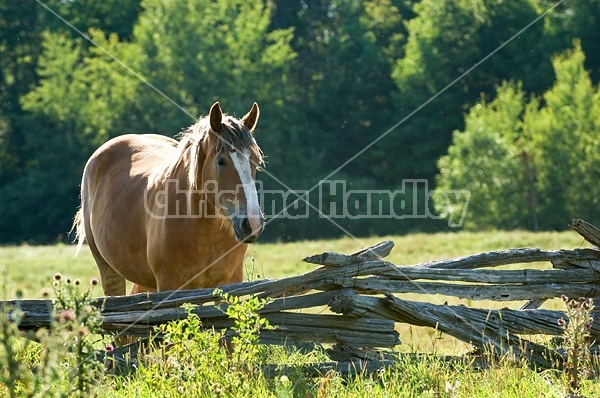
[(247, 230)]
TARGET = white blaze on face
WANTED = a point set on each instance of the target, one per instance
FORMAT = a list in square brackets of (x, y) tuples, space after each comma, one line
[(241, 162)]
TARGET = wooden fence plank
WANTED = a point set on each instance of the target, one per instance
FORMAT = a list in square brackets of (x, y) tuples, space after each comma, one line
[(522, 276), (513, 256), (471, 328), (587, 230), (378, 285)]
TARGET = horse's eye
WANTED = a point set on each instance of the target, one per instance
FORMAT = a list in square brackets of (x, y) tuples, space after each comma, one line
[(221, 161)]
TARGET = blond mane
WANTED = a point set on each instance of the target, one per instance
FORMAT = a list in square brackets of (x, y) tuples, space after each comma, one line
[(234, 136)]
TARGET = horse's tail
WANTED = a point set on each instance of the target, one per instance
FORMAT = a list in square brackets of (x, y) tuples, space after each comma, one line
[(79, 229)]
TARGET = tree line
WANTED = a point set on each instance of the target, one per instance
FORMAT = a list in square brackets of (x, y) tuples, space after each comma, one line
[(330, 76)]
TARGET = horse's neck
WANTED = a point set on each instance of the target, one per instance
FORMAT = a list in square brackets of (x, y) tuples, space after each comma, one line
[(186, 186)]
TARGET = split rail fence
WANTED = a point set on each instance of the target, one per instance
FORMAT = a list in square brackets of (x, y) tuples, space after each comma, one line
[(363, 293)]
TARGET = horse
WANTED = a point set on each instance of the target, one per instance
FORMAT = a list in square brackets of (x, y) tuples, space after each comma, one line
[(170, 215)]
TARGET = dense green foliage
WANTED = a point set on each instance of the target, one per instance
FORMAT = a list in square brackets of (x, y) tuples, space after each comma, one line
[(531, 163), (331, 76)]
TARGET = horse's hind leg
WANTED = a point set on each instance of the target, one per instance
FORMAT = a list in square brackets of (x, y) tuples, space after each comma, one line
[(113, 284)]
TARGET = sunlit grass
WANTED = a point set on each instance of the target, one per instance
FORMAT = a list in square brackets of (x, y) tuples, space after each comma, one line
[(30, 268), (285, 259)]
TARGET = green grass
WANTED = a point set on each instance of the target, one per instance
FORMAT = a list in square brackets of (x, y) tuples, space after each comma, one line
[(29, 269), (285, 259)]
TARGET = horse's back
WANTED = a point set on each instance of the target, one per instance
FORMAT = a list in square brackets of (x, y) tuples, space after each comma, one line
[(140, 151), (123, 165)]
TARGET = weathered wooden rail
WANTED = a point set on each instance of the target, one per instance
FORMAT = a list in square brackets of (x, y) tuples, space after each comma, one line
[(362, 292)]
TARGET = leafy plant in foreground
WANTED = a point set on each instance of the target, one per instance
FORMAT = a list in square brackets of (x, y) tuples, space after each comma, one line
[(195, 360), (13, 372), (65, 352), (76, 322), (576, 341), (248, 325)]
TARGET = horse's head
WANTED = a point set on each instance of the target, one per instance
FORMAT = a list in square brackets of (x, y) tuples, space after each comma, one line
[(231, 160)]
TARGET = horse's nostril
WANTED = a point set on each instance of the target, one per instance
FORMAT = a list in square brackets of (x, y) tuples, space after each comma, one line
[(246, 226)]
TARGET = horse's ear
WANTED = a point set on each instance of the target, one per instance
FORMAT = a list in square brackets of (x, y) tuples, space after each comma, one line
[(251, 118), (215, 116)]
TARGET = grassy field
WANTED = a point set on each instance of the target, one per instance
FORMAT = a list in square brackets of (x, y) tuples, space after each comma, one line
[(29, 271)]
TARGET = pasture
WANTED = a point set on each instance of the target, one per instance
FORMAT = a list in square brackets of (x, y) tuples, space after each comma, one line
[(28, 271)]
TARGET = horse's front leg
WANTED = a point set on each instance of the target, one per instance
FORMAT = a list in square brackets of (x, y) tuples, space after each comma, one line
[(135, 289)]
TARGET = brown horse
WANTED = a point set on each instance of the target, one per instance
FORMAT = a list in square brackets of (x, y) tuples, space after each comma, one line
[(169, 215)]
